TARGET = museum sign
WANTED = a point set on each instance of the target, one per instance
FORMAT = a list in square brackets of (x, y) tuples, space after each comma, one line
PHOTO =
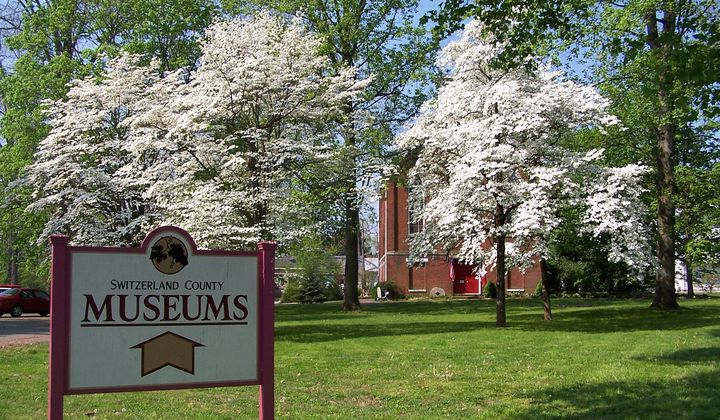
[(165, 315)]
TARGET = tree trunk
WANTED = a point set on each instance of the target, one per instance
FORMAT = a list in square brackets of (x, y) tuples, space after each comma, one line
[(13, 255), (8, 252), (258, 216), (500, 269), (547, 310), (500, 283), (351, 301), (665, 279), (689, 279)]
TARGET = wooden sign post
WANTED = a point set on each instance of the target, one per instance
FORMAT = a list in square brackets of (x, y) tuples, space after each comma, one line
[(165, 315)]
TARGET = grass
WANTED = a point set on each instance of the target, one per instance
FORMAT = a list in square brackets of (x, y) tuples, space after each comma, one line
[(445, 359)]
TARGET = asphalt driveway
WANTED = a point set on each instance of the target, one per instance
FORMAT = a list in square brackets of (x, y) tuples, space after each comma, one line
[(24, 330)]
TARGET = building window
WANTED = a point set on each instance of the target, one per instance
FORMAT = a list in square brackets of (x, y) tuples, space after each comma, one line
[(415, 207), (416, 227)]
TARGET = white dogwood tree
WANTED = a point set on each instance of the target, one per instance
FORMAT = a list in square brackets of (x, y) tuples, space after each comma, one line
[(212, 150), (84, 175), (261, 105), (491, 174)]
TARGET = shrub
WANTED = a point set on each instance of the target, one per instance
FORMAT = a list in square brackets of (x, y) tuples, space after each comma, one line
[(312, 290), (316, 270), (292, 290), (389, 286), (490, 290), (538, 290), (333, 291)]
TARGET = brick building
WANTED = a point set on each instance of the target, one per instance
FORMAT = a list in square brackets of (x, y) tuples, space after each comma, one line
[(438, 271)]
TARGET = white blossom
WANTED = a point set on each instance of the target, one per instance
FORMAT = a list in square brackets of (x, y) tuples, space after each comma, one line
[(262, 104), (490, 166), (614, 208), (213, 151), (84, 175)]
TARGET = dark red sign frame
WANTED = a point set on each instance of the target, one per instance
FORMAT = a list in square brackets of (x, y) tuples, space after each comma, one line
[(60, 287)]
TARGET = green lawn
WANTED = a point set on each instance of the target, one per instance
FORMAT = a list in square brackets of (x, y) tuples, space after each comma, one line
[(419, 360)]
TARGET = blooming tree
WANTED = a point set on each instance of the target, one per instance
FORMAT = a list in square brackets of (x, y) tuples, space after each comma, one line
[(261, 105), (214, 150), (84, 175), (491, 175)]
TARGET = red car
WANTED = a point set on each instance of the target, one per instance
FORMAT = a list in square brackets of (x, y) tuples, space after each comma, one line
[(18, 300), (4, 287)]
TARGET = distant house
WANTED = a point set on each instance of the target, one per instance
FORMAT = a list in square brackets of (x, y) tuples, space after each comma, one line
[(706, 279), (367, 272), (439, 274), (286, 267)]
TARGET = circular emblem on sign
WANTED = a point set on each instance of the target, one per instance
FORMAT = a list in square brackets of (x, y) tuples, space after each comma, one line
[(169, 255)]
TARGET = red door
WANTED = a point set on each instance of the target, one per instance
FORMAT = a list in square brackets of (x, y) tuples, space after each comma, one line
[(458, 286), (464, 280), (472, 285)]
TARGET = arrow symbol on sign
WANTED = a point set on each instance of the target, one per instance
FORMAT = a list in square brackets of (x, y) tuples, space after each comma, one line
[(168, 349)]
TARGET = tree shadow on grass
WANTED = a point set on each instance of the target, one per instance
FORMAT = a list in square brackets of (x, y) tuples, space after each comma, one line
[(618, 319), (581, 315), (332, 310), (314, 333), (699, 356), (692, 396), (302, 312), (312, 312), (715, 333)]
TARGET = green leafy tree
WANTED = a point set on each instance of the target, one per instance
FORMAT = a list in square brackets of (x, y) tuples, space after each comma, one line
[(317, 272), (382, 40), (46, 37), (657, 60), (579, 262), (698, 218), (22, 259), (167, 30), (43, 45)]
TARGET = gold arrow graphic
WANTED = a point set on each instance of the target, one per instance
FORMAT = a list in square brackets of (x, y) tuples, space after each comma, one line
[(168, 349)]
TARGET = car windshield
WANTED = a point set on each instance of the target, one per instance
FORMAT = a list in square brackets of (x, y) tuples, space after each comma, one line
[(10, 292)]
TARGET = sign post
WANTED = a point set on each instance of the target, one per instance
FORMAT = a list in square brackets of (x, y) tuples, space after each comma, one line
[(165, 315), (58, 337), (267, 385)]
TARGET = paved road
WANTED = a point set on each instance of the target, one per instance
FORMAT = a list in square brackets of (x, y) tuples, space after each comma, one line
[(24, 330)]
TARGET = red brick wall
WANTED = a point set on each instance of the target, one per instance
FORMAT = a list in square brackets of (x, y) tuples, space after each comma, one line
[(518, 280), (382, 222), (435, 272), (393, 220)]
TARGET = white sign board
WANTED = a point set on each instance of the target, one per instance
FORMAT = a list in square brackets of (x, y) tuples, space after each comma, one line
[(163, 315)]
